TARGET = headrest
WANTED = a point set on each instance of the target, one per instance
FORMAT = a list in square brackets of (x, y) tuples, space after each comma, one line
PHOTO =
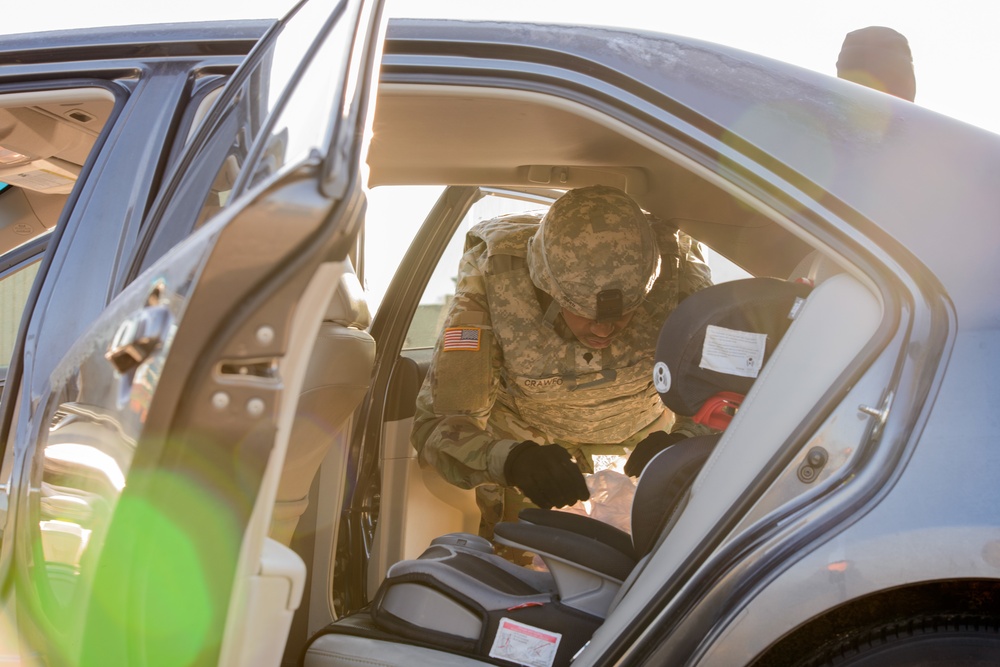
[(719, 338), (348, 306)]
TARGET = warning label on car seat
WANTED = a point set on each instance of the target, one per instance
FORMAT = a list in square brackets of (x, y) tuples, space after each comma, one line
[(733, 352), (525, 644)]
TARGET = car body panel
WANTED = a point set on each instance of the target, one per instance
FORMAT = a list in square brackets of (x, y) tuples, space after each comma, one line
[(865, 155), (859, 175), (933, 520), (768, 163)]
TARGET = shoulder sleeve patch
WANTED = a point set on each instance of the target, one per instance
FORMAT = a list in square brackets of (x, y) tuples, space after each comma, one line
[(463, 374), (461, 338)]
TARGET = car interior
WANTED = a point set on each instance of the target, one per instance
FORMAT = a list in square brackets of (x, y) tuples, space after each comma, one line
[(480, 142), (45, 138), (530, 143)]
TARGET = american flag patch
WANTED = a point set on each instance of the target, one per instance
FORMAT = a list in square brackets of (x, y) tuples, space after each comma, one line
[(461, 338)]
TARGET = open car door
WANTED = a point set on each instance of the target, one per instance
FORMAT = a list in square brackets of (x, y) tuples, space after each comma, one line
[(148, 458)]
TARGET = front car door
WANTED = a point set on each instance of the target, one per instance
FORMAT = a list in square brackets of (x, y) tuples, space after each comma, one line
[(90, 121), (145, 462)]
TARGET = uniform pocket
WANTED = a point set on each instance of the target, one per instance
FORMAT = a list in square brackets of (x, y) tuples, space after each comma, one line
[(463, 375)]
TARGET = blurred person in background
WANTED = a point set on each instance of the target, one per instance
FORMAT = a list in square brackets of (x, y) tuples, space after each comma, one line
[(880, 58)]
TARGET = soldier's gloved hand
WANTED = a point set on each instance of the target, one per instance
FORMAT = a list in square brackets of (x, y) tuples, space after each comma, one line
[(546, 474), (652, 444)]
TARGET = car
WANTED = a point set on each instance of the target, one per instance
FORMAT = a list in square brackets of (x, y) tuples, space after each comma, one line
[(226, 251)]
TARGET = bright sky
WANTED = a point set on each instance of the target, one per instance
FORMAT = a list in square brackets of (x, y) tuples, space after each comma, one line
[(953, 44)]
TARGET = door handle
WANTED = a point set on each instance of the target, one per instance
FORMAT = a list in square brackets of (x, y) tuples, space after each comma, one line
[(138, 337)]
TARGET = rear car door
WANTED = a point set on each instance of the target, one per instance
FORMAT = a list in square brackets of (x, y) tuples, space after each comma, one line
[(145, 462)]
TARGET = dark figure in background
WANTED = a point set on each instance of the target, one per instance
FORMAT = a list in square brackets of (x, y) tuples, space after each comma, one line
[(878, 57)]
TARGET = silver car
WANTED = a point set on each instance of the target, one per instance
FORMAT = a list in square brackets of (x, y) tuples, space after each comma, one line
[(226, 250)]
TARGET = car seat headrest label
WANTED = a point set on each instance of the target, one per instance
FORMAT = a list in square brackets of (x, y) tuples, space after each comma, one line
[(733, 352)]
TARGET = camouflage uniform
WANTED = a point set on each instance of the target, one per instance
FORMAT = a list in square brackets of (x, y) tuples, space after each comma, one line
[(507, 370)]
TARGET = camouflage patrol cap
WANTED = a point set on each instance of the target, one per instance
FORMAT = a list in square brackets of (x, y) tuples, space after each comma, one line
[(591, 241)]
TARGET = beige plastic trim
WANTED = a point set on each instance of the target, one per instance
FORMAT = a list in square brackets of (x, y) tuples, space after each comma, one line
[(418, 503)]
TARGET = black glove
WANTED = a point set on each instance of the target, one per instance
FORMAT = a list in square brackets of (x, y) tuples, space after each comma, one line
[(651, 445), (546, 474)]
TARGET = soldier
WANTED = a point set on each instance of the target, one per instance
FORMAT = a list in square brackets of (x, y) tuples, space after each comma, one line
[(878, 57), (546, 355)]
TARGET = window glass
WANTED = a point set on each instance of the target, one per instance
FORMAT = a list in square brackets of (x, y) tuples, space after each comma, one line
[(429, 318), (14, 289), (393, 216), (722, 269), (214, 167), (46, 138), (395, 213)]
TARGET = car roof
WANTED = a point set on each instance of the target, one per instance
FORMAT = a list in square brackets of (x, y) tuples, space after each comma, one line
[(880, 163), (874, 160), (134, 41)]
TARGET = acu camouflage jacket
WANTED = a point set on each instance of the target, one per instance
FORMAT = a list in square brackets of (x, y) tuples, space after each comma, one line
[(502, 374)]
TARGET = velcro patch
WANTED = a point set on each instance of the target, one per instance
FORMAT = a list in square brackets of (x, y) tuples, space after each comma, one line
[(461, 338)]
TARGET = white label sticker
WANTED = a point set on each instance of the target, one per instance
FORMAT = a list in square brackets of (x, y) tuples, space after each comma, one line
[(796, 307), (733, 352), (525, 644)]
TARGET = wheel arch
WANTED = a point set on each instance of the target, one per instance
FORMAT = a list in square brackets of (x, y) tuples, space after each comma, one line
[(953, 598)]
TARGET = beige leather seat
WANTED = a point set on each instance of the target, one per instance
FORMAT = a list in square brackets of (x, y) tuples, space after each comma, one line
[(338, 377)]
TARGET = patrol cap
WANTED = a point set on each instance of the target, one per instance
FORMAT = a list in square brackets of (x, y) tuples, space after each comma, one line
[(594, 253)]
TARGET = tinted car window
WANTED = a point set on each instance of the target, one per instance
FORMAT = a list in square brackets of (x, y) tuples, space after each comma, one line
[(14, 289), (214, 167)]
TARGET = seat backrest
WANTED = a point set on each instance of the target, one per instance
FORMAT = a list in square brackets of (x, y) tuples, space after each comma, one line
[(338, 377), (714, 344), (664, 484)]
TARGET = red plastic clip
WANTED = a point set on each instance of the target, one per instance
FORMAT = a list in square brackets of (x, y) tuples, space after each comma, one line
[(719, 410)]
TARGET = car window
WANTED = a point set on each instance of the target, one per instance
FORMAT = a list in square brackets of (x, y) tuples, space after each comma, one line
[(723, 270), (393, 217), (14, 288), (428, 319), (46, 137), (395, 214), (214, 167)]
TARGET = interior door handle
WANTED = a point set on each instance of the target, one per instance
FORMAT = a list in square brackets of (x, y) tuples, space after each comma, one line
[(138, 337)]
